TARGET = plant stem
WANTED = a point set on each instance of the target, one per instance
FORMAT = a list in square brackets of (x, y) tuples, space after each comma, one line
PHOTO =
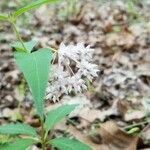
[(136, 124), (18, 35), (43, 136)]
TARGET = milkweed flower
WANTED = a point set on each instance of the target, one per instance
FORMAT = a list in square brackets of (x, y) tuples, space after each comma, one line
[(74, 66)]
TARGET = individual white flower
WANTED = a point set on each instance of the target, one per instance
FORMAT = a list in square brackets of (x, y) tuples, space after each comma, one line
[(76, 84), (87, 69), (85, 53), (57, 84), (65, 53), (67, 78)]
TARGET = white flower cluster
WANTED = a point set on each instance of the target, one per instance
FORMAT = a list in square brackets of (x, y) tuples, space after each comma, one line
[(74, 66)]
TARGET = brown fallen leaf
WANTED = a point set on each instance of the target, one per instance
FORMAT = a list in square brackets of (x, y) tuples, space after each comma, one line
[(116, 139), (134, 115), (130, 111), (108, 137), (82, 137)]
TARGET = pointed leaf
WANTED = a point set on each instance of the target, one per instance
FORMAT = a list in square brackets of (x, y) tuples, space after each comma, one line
[(35, 67), (69, 144), (20, 144), (17, 129), (3, 17), (31, 6), (56, 115), (28, 45)]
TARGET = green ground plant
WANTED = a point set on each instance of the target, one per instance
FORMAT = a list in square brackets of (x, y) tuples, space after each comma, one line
[(31, 64), (71, 8)]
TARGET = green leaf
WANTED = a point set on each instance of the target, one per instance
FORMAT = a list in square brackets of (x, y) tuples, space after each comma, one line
[(31, 6), (56, 115), (35, 67), (3, 17), (131, 8), (68, 144), (18, 128), (28, 45), (5, 138), (20, 144)]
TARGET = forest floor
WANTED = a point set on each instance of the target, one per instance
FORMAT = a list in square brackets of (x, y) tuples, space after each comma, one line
[(115, 112)]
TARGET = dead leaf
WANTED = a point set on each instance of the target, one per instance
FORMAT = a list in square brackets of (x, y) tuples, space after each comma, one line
[(116, 139), (92, 114), (82, 137), (12, 114), (134, 115), (132, 110), (108, 137)]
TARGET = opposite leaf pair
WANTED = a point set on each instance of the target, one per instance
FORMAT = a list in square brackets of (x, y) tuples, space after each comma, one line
[(35, 67), (32, 137)]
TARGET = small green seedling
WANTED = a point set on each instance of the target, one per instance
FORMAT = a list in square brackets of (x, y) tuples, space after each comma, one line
[(35, 67)]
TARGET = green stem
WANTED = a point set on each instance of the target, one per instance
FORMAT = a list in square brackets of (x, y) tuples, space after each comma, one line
[(136, 124), (18, 35), (43, 142)]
